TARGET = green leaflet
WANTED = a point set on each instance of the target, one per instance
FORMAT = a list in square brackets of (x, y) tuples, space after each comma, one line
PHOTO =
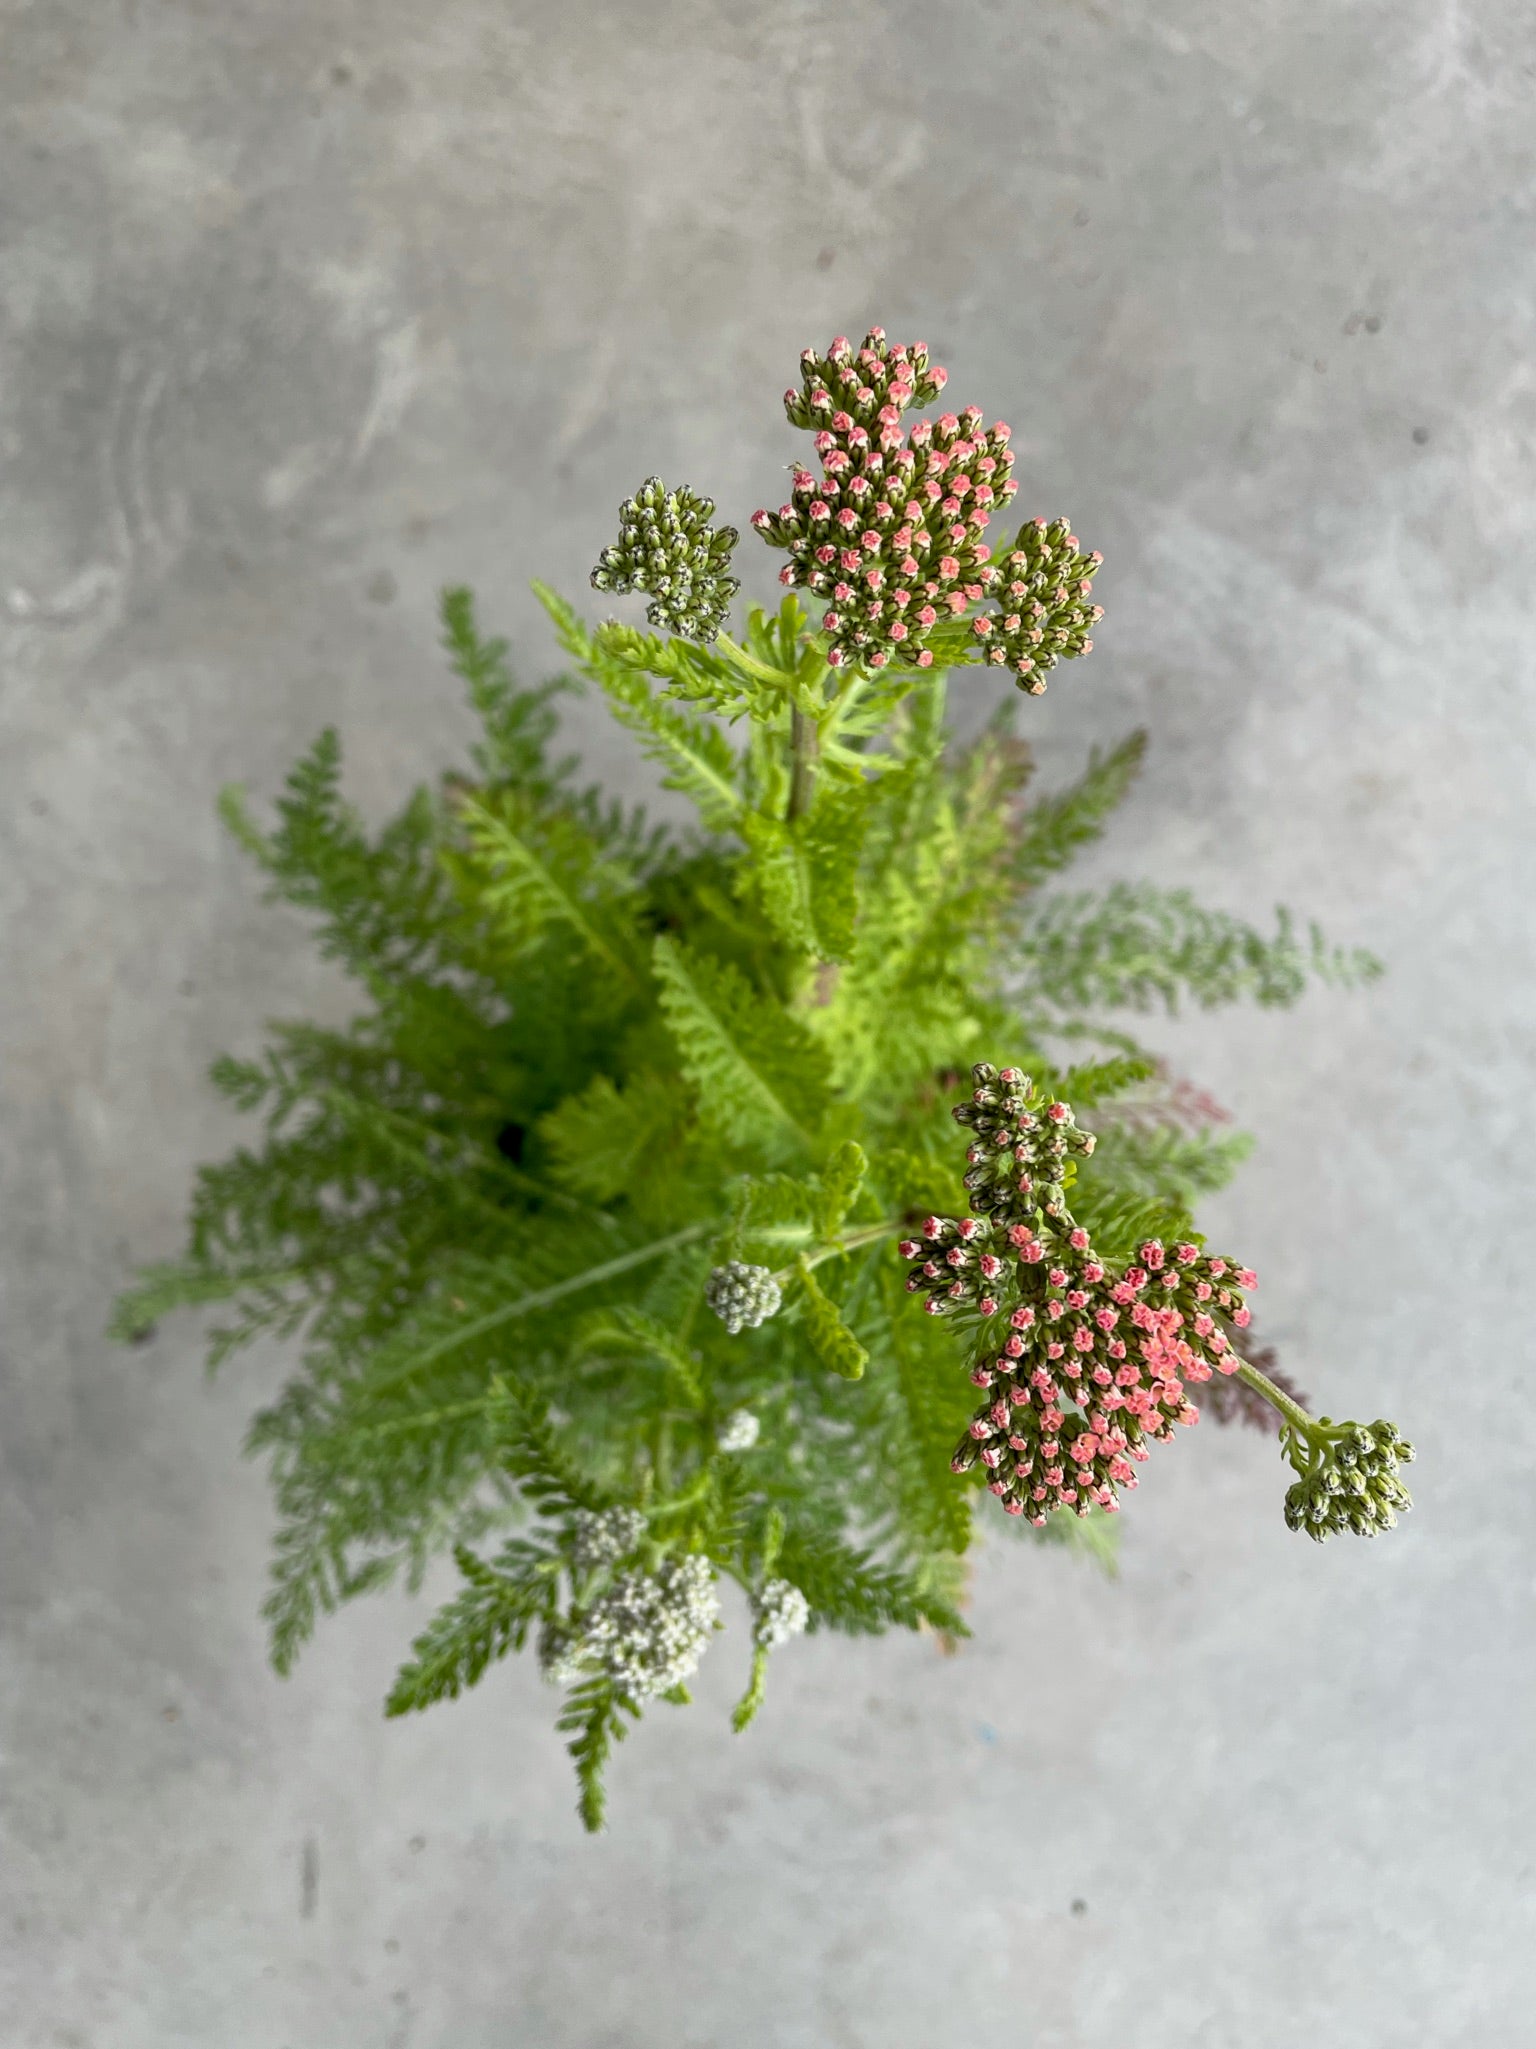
[(593, 1718), (777, 1213), (935, 1408), (491, 1616), (533, 873), (722, 678), (746, 1709), (759, 1076), (1056, 828), (629, 1330), (696, 758), (1092, 1082), (1138, 947), (772, 1214), (850, 1590), (805, 872), (841, 1179), (604, 1138), (518, 723), (831, 1339)]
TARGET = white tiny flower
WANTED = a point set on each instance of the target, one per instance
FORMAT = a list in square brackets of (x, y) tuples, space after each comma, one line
[(739, 1431), (600, 1539), (779, 1612), (647, 1633)]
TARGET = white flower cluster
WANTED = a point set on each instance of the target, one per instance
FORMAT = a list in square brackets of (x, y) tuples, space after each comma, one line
[(647, 1633), (739, 1431), (600, 1539), (742, 1296), (779, 1612)]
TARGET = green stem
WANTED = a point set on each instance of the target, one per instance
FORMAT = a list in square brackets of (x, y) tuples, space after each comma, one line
[(803, 744), (1293, 1412), (739, 658), (853, 1241)]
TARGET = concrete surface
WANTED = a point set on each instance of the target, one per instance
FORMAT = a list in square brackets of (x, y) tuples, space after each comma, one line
[(309, 306)]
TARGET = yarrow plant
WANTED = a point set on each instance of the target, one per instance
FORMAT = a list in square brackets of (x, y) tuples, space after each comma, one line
[(626, 1233)]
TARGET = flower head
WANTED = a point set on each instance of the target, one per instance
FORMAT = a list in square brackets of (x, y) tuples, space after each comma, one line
[(646, 1634), (667, 548), (742, 1296), (739, 1431), (1350, 1481), (1043, 611), (779, 1612), (598, 1539), (891, 532)]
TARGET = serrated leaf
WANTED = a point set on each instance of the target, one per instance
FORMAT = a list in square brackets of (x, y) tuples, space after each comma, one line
[(603, 1138), (771, 1213), (805, 872), (759, 1076), (1055, 828), (491, 1616), (531, 871), (832, 1341), (695, 756), (593, 1718), (630, 1330), (841, 1179)]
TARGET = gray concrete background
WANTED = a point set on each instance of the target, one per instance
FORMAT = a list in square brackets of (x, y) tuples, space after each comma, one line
[(309, 307)]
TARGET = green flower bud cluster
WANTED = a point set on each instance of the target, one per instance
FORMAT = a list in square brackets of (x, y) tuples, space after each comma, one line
[(1350, 1481), (1044, 611), (667, 548), (1021, 1140), (742, 1296), (646, 1633), (779, 1612)]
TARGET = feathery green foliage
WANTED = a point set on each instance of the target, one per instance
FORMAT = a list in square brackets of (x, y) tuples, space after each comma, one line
[(597, 1059)]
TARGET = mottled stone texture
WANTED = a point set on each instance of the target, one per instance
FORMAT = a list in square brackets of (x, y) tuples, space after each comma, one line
[(309, 306)]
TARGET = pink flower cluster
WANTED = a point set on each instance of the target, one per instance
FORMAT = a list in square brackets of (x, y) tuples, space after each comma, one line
[(1092, 1365), (890, 534), (1083, 1361)]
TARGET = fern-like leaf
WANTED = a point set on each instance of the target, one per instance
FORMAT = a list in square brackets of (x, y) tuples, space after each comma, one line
[(593, 1718), (831, 1340), (759, 1076), (489, 1617)]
